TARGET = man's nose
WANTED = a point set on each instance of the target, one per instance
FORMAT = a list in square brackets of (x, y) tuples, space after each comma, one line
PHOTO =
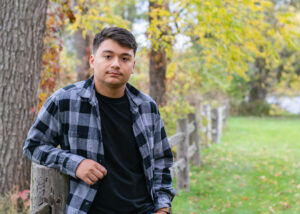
[(115, 63)]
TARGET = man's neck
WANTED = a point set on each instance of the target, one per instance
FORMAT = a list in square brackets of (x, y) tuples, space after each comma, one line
[(110, 92)]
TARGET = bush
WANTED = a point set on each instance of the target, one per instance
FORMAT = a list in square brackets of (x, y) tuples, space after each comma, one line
[(256, 108), (15, 203)]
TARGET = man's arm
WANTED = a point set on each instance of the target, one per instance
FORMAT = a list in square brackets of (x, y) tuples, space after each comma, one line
[(43, 138), (163, 158), (41, 147)]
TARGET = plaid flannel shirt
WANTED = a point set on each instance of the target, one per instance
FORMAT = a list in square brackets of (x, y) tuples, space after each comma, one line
[(71, 118)]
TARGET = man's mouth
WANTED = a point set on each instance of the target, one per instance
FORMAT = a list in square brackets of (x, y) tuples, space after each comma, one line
[(114, 73)]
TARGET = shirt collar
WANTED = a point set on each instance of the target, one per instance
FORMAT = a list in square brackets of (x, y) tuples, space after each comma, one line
[(88, 92)]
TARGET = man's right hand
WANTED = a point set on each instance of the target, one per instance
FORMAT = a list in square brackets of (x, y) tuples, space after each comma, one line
[(90, 171)]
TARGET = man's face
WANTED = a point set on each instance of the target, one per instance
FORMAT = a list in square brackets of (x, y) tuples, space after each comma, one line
[(112, 64)]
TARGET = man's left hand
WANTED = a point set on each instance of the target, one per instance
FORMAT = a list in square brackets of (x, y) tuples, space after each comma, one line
[(163, 210)]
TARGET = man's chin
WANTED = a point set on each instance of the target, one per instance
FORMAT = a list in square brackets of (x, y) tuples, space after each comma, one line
[(116, 85)]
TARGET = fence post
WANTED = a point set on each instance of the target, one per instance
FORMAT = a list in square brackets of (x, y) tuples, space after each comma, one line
[(182, 178), (194, 138), (207, 111), (220, 112), (48, 186), (201, 125), (217, 122)]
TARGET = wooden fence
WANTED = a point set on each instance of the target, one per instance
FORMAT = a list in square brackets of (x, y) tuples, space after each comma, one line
[(189, 141), (49, 187)]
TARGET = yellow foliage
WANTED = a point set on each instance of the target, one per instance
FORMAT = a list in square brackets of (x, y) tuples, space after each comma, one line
[(171, 70), (92, 16)]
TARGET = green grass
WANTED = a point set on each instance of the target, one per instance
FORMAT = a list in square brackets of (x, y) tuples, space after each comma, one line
[(255, 169)]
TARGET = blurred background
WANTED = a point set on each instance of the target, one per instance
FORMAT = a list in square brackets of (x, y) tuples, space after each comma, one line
[(241, 54)]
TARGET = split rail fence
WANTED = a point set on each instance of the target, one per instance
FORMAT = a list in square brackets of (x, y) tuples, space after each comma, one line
[(49, 187)]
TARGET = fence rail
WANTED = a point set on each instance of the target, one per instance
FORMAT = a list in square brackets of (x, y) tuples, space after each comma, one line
[(49, 187)]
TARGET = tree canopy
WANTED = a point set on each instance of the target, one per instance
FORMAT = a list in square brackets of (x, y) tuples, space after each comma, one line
[(237, 48)]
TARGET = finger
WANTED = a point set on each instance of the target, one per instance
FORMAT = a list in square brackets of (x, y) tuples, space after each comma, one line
[(98, 174), (101, 169), (89, 181), (93, 177)]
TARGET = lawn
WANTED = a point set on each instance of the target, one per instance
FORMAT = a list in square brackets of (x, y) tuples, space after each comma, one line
[(255, 169)]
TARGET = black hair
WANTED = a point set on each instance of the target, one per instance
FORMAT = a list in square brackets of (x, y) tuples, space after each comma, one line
[(120, 35)]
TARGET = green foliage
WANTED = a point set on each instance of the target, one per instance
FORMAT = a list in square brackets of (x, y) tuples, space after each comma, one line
[(256, 108), (228, 36), (174, 111), (93, 15), (253, 170), (140, 76), (277, 111), (159, 30)]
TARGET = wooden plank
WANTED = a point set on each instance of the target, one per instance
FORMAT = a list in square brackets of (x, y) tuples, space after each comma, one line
[(208, 134), (217, 123), (179, 165), (194, 140), (182, 177), (219, 127), (191, 128), (42, 209), (214, 117), (48, 186), (192, 150), (175, 139)]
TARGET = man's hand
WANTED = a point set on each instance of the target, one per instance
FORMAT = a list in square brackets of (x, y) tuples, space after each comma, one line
[(164, 210), (90, 171)]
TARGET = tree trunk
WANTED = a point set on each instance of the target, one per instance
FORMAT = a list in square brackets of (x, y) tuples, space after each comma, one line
[(82, 47), (157, 72), (22, 25), (259, 85), (158, 63)]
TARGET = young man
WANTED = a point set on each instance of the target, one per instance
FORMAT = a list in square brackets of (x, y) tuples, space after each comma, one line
[(113, 144)]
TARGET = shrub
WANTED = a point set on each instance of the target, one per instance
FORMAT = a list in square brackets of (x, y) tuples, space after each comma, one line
[(256, 108)]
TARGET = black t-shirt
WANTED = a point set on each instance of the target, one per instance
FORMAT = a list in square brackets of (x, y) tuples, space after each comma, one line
[(123, 189)]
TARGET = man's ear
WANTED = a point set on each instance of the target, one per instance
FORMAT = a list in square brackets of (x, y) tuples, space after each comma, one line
[(133, 67), (92, 60)]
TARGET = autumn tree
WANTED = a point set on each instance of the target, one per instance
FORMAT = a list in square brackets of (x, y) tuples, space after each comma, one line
[(161, 38), (233, 46), (82, 48), (21, 48), (280, 32), (58, 11)]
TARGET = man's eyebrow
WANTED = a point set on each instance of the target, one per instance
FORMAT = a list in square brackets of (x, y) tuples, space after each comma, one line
[(122, 54), (107, 51)]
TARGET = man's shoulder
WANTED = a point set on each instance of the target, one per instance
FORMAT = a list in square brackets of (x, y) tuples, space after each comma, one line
[(69, 92), (143, 100)]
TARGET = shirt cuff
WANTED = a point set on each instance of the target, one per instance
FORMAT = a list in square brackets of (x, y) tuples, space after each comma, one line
[(72, 164), (162, 201)]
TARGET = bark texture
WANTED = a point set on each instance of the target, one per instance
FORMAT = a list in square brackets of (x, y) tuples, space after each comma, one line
[(22, 25), (158, 64), (82, 47), (260, 84), (157, 71)]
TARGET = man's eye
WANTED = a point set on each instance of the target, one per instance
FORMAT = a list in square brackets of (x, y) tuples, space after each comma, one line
[(125, 59), (107, 56)]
